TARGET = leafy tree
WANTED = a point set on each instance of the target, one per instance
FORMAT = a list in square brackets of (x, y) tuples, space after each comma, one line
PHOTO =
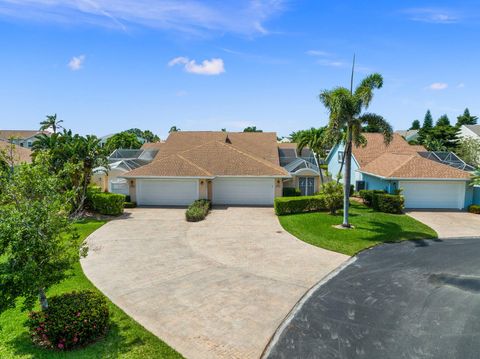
[(346, 120), (443, 121), (51, 122), (466, 119), (314, 139), (122, 140), (427, 121), (476, 178), (252, 129), (35, 234), (224, 130), (469, 151), (433, 144), (147, 135), (415, 125), (174, 129)]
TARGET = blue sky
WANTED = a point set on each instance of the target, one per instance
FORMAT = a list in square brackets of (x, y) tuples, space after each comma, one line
[(109, 65)]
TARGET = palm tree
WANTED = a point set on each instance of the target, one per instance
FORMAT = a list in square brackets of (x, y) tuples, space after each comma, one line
[(314, 139), (346, 120), (51, 122)]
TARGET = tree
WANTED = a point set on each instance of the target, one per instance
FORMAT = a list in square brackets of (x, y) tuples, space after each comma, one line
[(476, 178), (252, 129), (147, 135), (174, 129), (35, 235), (433, 144), (346, 119), (371, 129), (314, 139), (51, 122), (295, 135), (415, 125), (122, 140), (469, 151), (427, 121), (466, 119), (443, 121)]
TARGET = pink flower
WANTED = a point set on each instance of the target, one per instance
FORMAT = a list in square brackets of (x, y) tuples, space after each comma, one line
[(78, 314), (60, 345)]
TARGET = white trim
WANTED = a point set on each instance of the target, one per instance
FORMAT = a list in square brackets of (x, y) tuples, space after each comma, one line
[(253, 176), (303, 171), (167, 177)]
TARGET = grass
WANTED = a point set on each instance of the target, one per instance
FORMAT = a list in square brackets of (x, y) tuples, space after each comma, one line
[(125, 339), (371, 228)]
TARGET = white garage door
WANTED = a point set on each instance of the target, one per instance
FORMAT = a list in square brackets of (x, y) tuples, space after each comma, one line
[(433, 194), (171, 192), (243, 191)]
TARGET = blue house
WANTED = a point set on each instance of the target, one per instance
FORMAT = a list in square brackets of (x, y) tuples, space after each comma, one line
[(427, 179)]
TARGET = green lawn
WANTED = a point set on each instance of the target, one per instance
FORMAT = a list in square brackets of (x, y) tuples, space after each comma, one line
[(125, 339), (371, 228)]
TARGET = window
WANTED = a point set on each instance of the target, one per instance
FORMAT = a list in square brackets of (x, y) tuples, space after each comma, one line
[(29, 144), (340, 156)]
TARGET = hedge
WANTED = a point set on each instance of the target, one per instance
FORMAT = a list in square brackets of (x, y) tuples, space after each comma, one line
[(72, 320), (91, 191), (383, 202), (291, 192), (474, 208), (368, 194), (128, 204), (108, 203), (198, 210), (290, 205)]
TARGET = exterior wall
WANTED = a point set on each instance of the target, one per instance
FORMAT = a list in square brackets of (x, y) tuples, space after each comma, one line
[(203, 189), (294, 182), (278, 187), (334, 165), (290, 183), (23, 142), (465, 132), (372, 182), (476, 195), (132, 185)]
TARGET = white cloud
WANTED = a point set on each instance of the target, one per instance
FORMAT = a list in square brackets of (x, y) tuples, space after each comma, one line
[(432, 15), (207, 67), (195, 17), (317, 53), (438, 86), (76, 62)]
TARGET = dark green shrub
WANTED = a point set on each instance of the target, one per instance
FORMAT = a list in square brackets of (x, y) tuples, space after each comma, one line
[(127, 198), (389, 203), (368, 194), (128, 204), (352, 190), (474, 208), (291, 192), (91, 191), (290, 205), (333, 193), (72, 320), (108, 203), (198, 210)]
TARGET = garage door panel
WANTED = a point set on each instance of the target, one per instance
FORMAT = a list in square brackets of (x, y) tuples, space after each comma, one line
[(243, 191), (442, 195), (158, 192)]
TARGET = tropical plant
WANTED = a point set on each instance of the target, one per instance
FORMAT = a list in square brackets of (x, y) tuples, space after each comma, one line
[(314, 139), (346, 120), (466, 119), (35, 236), (469, 151), (252, 129), (51, 122), (174, 129)]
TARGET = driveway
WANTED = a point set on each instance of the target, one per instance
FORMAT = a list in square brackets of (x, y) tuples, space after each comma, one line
[(214, 289), (447, 224), (404, 300)]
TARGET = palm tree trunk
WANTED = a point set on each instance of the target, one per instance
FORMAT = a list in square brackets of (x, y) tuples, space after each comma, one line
[(346, 177), (343, 162), (320, 170), (43, 299)]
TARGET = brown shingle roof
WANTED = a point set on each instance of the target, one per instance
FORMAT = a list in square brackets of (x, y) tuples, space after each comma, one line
[(152, 145), (20, 154), (22, 134), (197, 154)]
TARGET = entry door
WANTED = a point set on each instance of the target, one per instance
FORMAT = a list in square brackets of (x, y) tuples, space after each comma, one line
[(307, 185)]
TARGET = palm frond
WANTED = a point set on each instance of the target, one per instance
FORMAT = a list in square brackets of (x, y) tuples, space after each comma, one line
[(364, 91), (378, 121)]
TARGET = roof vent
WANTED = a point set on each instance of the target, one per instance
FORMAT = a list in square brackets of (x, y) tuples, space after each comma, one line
[(227, 140)]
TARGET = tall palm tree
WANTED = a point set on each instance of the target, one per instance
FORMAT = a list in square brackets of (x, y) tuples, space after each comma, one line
[(314, 139), (51, 122), (347, 117)]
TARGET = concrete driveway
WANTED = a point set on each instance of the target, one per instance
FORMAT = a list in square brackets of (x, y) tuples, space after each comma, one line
[(213, 289), (404, 300), (447, 224)]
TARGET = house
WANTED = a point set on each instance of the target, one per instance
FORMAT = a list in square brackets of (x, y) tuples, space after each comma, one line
[(22, 138), (14, 155), (229, 168), (409, 135), (470, 131), (120, 162), (428, 179)]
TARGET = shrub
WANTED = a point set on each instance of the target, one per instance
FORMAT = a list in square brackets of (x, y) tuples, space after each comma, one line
[(291, 192), (290, 205), (389, 203), (333, 193), (352, 190), (198, 210), (128, 204), (368, 194), (91, 191), (108, 203), (474, 208), (72, 320)]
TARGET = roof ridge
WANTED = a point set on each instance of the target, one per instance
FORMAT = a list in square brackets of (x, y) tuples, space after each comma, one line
[(434, 163), (193, 164)]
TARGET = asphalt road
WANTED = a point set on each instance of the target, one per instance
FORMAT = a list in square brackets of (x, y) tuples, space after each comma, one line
[(403, 300)]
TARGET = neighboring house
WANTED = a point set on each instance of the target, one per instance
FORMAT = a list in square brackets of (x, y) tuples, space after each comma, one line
[(428, 179), (303, 168), (229, 168), (120, 162), (14, 153), (409, 135), (22, 138), (470, 131)]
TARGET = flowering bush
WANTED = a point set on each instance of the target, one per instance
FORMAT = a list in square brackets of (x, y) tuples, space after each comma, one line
[(72, 320)]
